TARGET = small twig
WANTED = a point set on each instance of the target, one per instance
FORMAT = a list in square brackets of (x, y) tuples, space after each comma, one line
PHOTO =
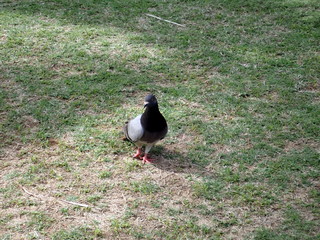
[(74, 203), (124, 197), (58, 200), (168, 21), (31, 194)]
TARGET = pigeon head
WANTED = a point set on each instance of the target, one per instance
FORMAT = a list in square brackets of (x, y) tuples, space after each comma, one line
[(150, 101)]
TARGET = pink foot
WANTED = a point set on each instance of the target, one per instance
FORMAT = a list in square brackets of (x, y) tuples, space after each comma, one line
[(146, 159), (138, 153)]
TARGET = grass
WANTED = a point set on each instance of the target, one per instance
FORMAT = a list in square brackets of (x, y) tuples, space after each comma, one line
[(294, 227), (239, 87)]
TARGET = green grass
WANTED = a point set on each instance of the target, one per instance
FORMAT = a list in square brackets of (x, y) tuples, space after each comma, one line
[(239, 87), (82, 232), (294, 227)]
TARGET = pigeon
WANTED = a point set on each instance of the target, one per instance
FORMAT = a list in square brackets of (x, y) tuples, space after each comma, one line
[(147, 128)]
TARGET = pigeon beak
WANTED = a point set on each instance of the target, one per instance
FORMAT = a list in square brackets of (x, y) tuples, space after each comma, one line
[(145, 104)]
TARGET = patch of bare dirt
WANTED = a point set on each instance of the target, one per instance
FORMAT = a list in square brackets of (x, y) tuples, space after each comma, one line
[(30, 122), (300, 144)]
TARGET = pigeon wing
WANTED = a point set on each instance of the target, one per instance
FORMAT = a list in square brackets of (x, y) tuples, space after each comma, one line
[(133, 129)]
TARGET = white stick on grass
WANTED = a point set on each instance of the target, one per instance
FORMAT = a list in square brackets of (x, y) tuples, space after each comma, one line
[(168, 21), (58, 200), (74, 203)]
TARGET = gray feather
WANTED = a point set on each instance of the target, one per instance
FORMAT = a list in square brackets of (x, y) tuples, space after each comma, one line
[(133, 129)]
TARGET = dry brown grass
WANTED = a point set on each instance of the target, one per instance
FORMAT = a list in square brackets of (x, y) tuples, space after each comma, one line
[(54, 184)]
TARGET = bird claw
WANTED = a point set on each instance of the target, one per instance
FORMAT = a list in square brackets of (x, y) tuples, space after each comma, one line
[(138, 154), (146, 159)]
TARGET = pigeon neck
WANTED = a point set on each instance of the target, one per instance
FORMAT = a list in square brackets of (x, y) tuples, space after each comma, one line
[(151, 109), (152, 120)]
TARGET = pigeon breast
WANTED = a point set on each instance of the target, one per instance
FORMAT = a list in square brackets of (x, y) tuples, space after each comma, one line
[(154, 125)]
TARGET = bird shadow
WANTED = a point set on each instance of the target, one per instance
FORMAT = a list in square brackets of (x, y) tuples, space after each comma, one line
[(176, 162)]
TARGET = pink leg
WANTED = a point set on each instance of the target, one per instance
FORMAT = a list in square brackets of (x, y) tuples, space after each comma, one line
[(138, 153), (147, 159)]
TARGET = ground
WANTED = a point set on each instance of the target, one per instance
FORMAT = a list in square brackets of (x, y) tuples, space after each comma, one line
[(238, 85)]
